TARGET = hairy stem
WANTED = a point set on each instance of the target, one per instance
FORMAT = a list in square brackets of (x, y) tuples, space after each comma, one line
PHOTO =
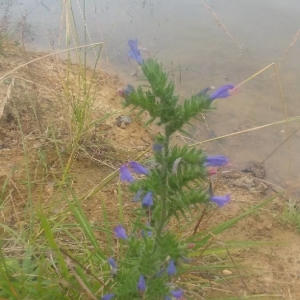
[(164, 197)]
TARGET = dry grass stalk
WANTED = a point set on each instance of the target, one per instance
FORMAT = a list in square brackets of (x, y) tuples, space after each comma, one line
[(295, 39), (221, 25), (48, 55), (247, 130), (285, 111)]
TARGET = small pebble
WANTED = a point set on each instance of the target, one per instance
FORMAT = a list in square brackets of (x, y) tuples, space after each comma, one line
[(226, 272), (269, 226), (122, 121)]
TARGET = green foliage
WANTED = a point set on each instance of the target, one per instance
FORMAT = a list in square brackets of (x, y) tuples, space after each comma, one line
[(161, 102), (177, 183), (291, 215)]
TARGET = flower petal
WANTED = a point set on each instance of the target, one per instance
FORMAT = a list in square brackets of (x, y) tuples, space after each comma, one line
[(107, 296), (220, 200), (171, 268), (125, 174), (212, 171), (148, 200), (216, 161), (141, 284), (221, 92), (134, 51), (157, 147), (138, 168), (112, 262), (123, 92), (177, 294), (120, 232)]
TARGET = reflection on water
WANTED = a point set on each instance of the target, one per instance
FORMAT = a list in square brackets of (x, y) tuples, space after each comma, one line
[(188, 38)]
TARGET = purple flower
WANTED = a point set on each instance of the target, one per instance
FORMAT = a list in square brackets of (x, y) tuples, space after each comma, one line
[(107, 296), (216, 161), (220, 200), (125, 174), (138, 168), (141, 284), (134, 51), (148, 200), (171, 268), (167, 298), (126, 91), (112, 262), (157, 147), (177, 294), (129, 88), (120, 232), (221, 92)]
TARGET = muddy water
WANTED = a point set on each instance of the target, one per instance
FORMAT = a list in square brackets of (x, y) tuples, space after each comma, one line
[(192, 45)]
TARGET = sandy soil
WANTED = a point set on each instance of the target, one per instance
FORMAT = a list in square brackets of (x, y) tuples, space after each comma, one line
[(34, 98)]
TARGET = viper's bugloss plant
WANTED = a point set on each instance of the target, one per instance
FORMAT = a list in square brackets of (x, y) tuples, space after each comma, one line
[(152, 255)]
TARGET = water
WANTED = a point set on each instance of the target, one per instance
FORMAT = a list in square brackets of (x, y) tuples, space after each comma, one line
[(197, 51)]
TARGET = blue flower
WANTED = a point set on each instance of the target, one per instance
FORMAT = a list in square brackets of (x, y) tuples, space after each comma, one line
[(177, 294), (220, 200), (125, 174), (134, 51), (123, 92), (120, 232), (138, 168), (157, 147), (148, 200), (171, 268), (141, 284), (221, 92), (112, 262), (107, 296), (216, 161)]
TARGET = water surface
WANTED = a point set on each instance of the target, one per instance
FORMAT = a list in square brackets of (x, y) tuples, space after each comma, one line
[(197, 51)]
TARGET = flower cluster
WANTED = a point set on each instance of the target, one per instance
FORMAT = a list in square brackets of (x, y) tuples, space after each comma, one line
[(147, 197), (134, 53), (221, 92), (141, 283), (125, 174)]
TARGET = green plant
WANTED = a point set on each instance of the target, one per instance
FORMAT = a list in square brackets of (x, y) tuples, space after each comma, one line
[(291, 215), (152, 255)]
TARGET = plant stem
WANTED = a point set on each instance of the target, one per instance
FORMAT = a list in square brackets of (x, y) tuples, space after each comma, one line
[(165, 195)]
